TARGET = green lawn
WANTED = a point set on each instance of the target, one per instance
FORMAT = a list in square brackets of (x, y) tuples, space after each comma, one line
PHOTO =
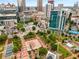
[(1, 47), (63, 51), (0, 56)]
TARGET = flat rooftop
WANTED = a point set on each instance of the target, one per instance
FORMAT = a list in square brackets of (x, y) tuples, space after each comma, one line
[(32, 45), (3, 15), (28, 46)]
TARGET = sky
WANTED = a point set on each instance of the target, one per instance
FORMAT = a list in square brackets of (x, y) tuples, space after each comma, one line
[(33, 2)]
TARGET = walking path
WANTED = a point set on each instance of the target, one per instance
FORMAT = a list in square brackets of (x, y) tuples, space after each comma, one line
[(4, 52), (72, 54)]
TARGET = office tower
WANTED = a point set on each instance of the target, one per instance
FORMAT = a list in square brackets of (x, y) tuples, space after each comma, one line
[(21, 5), (39, 5), (49, 7), (51, 2), (76, 5), (57, 20)]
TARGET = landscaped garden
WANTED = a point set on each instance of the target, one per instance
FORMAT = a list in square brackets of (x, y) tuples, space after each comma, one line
[(63, 51), (1, 56), (16, 44), (20, 26), (1, 47), (29, 35), (42, 53), (51, 41), (3, 38)]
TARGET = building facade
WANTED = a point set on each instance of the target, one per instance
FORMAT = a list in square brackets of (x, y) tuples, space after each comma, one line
[(57, 20), (21, 5), (39, 5), (7, 13), (51, 1), (49, 7)]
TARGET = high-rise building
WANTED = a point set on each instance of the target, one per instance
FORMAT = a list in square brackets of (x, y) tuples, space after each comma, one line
[(49, 7), (57, 20), (21, 5), (7, 13), (51, 1), (39, 5), (76, 5)]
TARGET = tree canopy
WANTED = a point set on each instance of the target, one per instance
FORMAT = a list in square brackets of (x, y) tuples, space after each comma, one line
[(42, 51), (3, 37)]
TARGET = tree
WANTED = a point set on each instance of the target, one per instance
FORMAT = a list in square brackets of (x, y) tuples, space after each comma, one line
[(46, 39), (33, 28), (35, 23), (31, 20), (69, 18), (52, 37), (3, 37), (16, 37), (19, 25), (38, 58), (41, 33), (48, 31), (16, 44), (29, 35), (15, 49), (42, 51), (74, 58), (71, 22), (54, 46), (62, 34), (23, 29)]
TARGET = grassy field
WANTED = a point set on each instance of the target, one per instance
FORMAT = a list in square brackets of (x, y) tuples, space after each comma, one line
[(1, 47), (63, 51), (0, 56)]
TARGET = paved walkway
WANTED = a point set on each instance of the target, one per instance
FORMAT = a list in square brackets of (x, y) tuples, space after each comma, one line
[(5, 47), (72, 54), (41, 42), (24, 48)]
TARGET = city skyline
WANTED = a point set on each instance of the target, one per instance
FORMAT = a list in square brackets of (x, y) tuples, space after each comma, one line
[(34, 3)]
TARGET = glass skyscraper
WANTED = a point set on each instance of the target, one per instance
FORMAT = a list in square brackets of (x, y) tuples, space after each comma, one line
[(57, 20)]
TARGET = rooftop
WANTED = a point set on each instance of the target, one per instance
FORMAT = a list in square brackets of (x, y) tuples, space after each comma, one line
[(3, 15), (33, 44)]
